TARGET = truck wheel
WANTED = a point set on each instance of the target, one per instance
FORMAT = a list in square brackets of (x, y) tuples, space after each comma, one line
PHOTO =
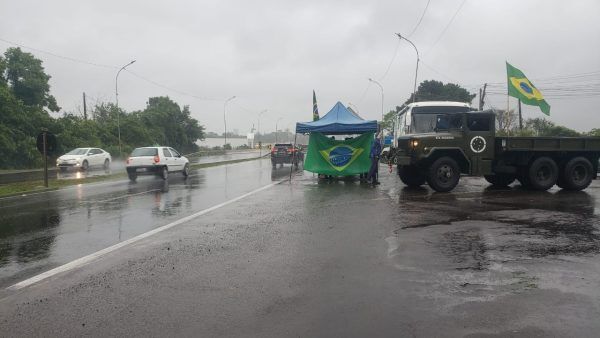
[(411, 175), (443, 174), (542, 173), (500, 180), (577, 174)]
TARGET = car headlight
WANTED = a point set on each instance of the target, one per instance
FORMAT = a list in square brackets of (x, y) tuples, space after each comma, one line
[(414, 143)]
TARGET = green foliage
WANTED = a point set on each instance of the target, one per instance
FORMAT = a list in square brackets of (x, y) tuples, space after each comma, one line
[(27, 79), (25, 96), (543, 127), (432, 90)]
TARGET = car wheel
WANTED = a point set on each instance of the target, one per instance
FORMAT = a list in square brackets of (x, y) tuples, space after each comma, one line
[(164, 173), (443, 174), (132, 176), (542, 173), (577, 174), (106, 164), (85, 165), (186, 170)]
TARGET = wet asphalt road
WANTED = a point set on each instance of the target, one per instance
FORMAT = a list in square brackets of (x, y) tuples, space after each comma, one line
[(319, 258)]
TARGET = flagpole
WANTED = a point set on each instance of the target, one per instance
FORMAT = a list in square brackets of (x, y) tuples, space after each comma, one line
[(520, 117)]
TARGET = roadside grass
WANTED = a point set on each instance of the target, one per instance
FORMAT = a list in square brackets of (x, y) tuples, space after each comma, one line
[(23, 188)]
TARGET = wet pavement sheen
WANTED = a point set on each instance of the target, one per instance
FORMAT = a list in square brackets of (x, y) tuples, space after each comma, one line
[(307, 258)]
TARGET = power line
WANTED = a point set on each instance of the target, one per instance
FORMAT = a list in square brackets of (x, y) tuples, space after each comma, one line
[(58, 55), (421, 19), (398, 43), (446, 28), (391, 61), (203, 98)]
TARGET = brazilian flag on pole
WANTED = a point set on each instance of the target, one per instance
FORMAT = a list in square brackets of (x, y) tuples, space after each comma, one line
[(338, 158), (315, 108), (521, 88)]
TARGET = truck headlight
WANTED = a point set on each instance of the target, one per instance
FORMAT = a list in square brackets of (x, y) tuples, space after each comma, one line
[(414, 143)]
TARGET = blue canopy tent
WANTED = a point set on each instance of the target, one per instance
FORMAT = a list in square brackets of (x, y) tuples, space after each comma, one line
[(338, 157), (338, 121)]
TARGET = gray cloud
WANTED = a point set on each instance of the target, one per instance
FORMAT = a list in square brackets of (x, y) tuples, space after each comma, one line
[(271, 54)]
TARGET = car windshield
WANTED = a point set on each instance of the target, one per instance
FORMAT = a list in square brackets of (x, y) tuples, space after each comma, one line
[(78, 151), (432, 119), (144, 152)]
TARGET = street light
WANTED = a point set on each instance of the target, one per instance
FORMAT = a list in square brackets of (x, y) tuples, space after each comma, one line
[(380, 87), (117, 102), (224, 119), (276, 129), (417, 69)]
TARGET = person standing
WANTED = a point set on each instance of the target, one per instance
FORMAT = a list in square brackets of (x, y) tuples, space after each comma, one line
[(374, 155)]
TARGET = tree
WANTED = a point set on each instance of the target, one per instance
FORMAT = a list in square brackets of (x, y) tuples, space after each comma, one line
[(176, 126), (432, 90), (27, 79), (543, 127)]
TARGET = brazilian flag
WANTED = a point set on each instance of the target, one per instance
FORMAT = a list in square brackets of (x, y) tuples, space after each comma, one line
[(521, 88), (315, 108), (338, 158)]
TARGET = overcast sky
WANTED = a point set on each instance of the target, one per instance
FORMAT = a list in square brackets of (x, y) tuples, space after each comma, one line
[(271, 54)]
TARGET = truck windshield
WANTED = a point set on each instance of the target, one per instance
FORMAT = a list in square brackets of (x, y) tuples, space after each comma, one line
[(432, 119)]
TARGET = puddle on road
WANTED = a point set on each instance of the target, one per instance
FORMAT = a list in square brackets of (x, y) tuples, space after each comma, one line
[(477, 246)]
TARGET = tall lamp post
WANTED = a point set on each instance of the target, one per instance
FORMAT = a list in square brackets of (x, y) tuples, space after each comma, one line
[(224, 119), (380, 87), (117, 103), (276, 129), (417, 69)]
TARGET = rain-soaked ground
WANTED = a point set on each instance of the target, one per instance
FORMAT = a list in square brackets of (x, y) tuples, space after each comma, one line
[(308, 258)]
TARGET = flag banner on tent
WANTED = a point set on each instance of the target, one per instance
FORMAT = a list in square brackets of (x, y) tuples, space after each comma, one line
[(338, 158), (315, 108), (521, 88)]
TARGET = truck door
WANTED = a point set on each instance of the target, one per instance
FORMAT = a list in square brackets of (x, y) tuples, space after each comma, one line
[(480, 142)]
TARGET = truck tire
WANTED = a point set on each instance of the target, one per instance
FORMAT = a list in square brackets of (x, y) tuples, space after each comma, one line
[(500, 180), (411, 175), (577, 174), (542, 173), (443, 174)]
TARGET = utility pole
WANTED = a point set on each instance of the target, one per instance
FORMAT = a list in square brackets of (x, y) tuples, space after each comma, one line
[(84, 108), (482, 96)]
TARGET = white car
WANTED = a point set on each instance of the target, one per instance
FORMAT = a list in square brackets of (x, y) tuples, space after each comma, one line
[(156, 161), (83, 158)]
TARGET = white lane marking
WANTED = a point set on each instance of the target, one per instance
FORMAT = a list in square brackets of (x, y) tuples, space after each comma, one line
[(91, 257)]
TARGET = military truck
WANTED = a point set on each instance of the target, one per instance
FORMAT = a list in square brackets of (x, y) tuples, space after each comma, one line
[(438, 148)]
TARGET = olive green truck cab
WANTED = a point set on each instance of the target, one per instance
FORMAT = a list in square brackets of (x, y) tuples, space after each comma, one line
[(464, 143)]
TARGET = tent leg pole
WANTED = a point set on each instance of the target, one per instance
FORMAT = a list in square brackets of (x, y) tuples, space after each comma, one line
[(293, 157)]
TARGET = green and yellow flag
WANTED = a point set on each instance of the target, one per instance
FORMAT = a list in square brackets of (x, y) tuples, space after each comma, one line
[(315, 108), (336, 157), (521, 88)]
